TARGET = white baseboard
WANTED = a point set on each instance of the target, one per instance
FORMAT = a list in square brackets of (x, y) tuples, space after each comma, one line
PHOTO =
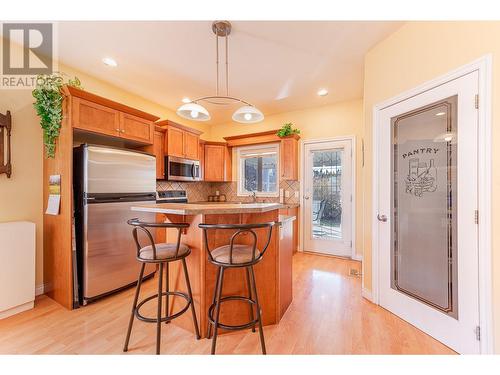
[(39, 290), (17, 309), (366, 293)]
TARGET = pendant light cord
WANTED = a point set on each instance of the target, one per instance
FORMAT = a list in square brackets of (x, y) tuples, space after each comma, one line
[(227, 68), (217, 64)]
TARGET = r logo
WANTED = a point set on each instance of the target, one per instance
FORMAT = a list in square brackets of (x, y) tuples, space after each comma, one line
[(35, 57)]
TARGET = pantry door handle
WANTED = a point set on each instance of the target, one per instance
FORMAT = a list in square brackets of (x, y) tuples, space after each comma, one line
[(382, 218)]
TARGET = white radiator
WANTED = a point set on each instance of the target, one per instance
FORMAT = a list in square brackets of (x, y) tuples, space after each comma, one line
[(17, 267)]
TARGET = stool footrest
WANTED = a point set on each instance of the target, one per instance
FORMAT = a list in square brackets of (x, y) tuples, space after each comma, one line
[(211, 319), (143, 318)]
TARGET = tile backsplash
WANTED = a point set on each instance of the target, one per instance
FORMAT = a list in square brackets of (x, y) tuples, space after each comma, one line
[(199, 191), (196, 191)]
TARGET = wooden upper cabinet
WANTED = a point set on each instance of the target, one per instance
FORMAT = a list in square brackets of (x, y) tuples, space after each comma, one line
[(217, 162), (201, 154), (175, 142), (96, 114), (94, 117), (159, 152), (191, 145), (182, 141), (136, 128), (289, 158)]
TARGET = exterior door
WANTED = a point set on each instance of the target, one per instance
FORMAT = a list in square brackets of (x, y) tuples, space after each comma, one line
[(427, 201), (328, 197)]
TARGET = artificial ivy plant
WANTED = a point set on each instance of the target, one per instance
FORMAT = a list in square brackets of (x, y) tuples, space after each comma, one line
[(287, 129), (48, 105)]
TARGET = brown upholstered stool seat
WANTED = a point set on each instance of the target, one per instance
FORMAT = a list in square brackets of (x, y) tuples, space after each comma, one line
[(163, 251), (241, 254)]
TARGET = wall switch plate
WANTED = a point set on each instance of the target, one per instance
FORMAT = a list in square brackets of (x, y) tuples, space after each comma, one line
[(217, 192), (296, 194)]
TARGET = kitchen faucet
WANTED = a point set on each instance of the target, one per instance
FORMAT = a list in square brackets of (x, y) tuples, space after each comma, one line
[(254, 196)]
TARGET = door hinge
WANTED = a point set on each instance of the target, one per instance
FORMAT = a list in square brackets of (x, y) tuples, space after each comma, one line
[(476, 216), (476, 101), (478, 333)]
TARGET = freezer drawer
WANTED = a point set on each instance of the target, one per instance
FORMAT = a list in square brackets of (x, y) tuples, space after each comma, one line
[(110, 252)]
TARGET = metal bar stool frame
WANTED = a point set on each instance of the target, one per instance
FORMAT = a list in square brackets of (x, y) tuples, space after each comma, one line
[(162, 263), (252, 298)]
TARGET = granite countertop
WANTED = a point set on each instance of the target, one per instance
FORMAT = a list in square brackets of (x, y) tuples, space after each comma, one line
[(207, 208)]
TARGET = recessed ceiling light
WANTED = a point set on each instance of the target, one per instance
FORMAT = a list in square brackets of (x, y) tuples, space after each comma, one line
[(440, 113), (109, 62), (186, 100), (323, 92)]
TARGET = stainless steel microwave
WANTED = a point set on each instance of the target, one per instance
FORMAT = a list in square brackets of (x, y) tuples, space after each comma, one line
[(179, 169)]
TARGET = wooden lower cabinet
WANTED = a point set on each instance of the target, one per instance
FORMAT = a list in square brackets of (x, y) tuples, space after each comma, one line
[(285, 280), (293, 211)]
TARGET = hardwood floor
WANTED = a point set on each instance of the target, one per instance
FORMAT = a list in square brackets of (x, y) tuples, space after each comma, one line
[(327, 316)]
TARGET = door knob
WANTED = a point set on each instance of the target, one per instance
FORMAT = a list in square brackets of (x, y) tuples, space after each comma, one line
[(382, 218), (306, 197)]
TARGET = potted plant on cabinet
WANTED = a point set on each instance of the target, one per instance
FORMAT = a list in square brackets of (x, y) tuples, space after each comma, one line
[(286, 130), (48, 105)]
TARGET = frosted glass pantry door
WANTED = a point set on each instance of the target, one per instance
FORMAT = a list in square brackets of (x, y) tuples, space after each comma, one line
[(427, 200)]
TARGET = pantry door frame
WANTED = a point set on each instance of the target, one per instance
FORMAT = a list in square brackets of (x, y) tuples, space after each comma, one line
[(483, 67)]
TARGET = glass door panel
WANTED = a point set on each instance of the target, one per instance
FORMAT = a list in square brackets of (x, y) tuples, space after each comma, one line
[(327, 194), (424, 221)]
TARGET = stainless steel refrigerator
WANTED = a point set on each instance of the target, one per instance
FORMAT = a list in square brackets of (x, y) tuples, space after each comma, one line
[(107, 183)]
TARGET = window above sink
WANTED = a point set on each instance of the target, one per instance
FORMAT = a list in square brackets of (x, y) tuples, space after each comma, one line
[(258, 170)]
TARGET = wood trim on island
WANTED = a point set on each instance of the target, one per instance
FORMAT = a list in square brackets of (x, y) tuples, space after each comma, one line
[(273, 273)]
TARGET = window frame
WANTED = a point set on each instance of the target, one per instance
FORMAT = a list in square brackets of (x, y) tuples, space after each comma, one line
[(256, 149)]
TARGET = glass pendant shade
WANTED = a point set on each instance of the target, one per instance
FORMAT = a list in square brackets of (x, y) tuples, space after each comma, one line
[(248, 115), (193, 111)]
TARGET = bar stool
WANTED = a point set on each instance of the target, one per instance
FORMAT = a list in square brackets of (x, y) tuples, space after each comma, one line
[(161, 254), (236, 256)]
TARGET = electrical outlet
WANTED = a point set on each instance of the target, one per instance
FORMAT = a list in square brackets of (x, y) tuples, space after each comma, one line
[(296, 194), (287, 194), (217, 192)]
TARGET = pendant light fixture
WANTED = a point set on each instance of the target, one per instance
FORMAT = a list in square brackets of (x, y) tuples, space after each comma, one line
[(193, 110)]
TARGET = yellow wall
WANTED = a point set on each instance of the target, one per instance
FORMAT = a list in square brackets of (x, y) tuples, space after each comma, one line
[(21, 195), (340, 119), (416, 53)]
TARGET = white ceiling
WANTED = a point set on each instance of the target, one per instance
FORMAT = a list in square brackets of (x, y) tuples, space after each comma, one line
[(276, 65)]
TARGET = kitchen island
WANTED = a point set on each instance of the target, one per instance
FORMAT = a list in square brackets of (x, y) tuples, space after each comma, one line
[(273, 274)]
